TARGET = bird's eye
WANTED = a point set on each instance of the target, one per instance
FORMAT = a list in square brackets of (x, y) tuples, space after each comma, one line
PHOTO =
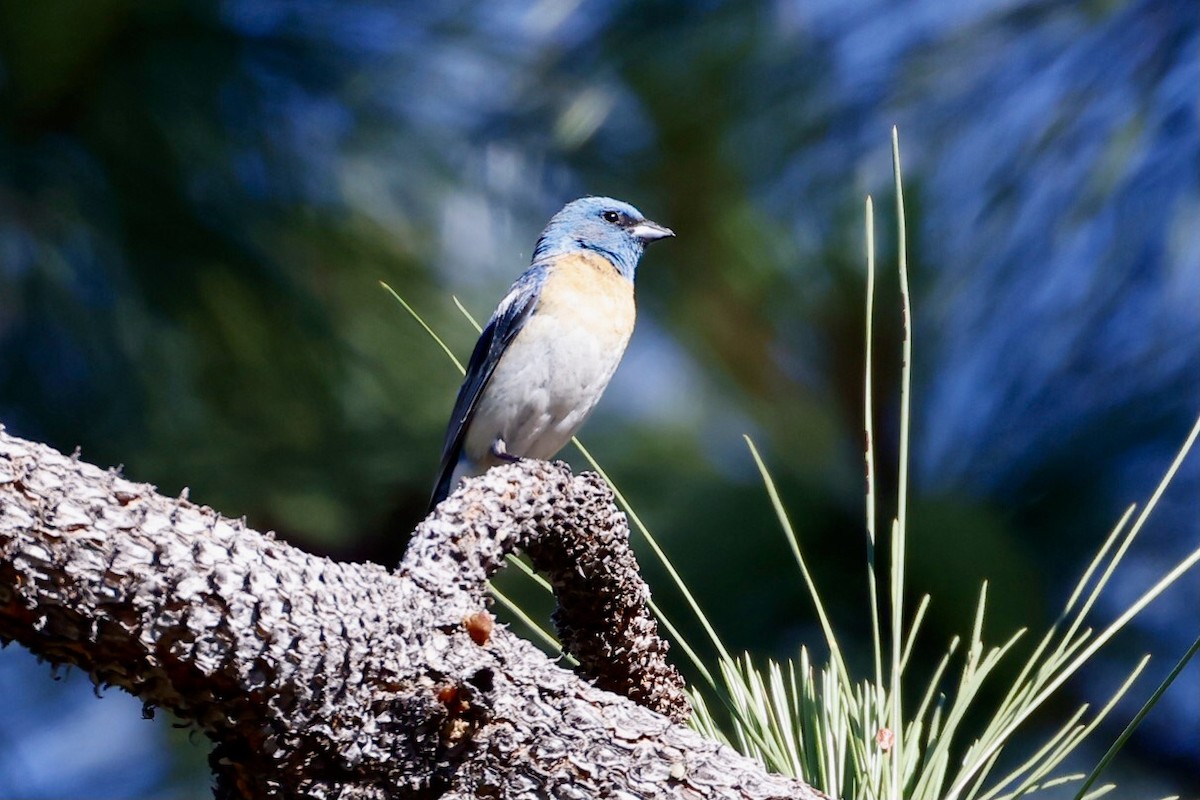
[(611, 216)]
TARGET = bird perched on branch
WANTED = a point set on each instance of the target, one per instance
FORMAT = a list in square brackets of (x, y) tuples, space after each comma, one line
[(552, 344)]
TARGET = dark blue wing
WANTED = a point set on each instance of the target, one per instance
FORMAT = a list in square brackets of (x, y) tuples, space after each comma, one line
[(505, 324)]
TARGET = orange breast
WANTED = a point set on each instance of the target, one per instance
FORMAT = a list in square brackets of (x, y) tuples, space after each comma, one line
[(588, 291)]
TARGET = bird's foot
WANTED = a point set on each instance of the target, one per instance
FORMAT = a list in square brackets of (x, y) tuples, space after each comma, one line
[(500, 451)]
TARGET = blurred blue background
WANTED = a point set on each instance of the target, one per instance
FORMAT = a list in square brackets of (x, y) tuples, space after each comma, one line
[(197, 201)]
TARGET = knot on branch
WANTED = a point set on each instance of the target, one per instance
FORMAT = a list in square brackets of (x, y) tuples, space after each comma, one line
[(575, 535)]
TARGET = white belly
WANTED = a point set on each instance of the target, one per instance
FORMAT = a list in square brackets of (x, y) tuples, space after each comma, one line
[(545, 386)]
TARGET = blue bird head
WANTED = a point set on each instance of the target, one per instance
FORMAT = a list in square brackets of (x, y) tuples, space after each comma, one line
[(615, 230)]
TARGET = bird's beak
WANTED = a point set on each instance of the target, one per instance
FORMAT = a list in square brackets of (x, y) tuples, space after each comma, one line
[(647, 231)]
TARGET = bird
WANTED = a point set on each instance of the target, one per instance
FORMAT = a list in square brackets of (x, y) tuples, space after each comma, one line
[(552, 344)]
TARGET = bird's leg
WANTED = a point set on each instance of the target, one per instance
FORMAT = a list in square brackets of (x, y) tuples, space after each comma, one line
[(500, 451)]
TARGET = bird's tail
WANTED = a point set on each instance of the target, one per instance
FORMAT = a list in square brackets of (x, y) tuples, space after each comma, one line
[(453, 470)]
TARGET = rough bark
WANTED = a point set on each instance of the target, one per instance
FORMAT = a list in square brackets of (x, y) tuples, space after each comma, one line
[(315, 678)]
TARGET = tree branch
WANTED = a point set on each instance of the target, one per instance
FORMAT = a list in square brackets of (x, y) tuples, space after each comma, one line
[(574, 534), (320, 679)]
